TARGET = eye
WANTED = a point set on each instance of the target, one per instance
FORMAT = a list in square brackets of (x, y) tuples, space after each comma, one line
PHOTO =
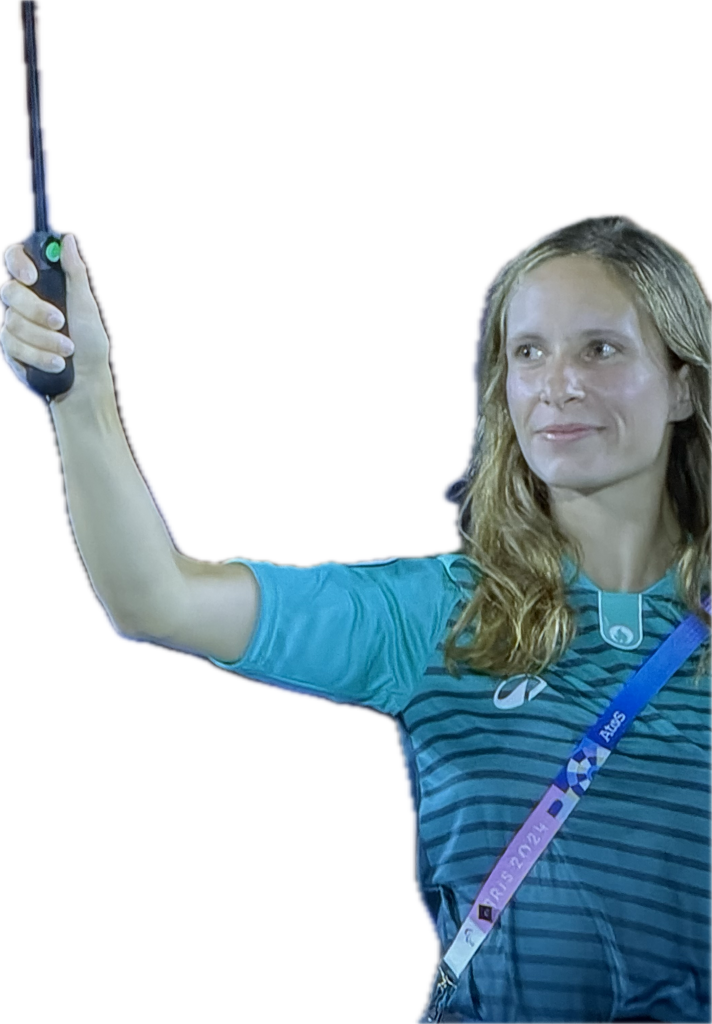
[(595, 344)]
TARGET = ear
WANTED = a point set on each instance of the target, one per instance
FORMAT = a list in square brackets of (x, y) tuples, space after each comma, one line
[(681, 404)]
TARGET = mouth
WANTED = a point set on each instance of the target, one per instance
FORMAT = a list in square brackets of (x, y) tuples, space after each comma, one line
[(567, 435)]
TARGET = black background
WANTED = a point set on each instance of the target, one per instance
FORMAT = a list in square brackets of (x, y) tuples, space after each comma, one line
[(290, 264)]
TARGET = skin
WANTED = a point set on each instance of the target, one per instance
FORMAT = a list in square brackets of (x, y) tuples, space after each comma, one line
[(607, 488)]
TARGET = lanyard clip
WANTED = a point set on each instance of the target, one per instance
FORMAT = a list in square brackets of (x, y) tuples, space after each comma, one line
[(443, 991)]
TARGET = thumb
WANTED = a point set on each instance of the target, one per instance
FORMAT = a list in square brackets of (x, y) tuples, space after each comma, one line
[(72, 263)]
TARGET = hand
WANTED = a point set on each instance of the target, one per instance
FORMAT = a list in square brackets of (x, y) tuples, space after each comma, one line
[(30, 333)]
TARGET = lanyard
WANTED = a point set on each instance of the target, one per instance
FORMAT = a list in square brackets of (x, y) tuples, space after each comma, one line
[(558, 802)]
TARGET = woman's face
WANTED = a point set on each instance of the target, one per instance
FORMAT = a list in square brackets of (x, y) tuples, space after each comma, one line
[(581, 349)]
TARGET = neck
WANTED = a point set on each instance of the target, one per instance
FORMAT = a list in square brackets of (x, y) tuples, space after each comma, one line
[(620, 557)]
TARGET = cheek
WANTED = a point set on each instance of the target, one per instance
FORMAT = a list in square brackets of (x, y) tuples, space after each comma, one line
[(641, 401), (517, 396), (511, 391)]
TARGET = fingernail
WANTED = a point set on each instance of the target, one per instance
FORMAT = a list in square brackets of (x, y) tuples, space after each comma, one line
[(55, 319), (27, 277)]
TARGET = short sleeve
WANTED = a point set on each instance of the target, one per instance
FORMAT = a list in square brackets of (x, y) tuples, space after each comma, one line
[(359, 633)]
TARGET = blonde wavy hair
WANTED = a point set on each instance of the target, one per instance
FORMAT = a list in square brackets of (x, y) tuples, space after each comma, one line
[(518, 619)]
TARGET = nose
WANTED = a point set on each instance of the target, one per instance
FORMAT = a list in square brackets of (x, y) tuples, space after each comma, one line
[(560, 379)]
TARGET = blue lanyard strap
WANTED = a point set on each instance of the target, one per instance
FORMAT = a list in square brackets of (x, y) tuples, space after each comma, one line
[(558, 802)]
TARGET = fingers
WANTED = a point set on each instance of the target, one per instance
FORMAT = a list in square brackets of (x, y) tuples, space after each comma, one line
[(20, 265), (17, 294), (27, 335), (25, 302)]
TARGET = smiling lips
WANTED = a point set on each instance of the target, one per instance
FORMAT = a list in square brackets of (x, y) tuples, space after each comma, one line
[(567, 427), (569, 432)]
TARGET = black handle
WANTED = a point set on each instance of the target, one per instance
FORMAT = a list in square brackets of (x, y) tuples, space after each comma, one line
[(43, 248)]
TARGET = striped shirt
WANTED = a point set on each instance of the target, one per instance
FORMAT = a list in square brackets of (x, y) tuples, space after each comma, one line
[(613, 920)]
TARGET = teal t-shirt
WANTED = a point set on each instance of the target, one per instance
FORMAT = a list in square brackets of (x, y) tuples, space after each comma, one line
[(613, 920)]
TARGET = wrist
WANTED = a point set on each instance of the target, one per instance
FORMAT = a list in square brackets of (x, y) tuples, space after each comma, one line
[(92, 399)]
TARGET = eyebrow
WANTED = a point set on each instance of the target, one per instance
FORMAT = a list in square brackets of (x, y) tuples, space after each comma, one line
[(591, 332)]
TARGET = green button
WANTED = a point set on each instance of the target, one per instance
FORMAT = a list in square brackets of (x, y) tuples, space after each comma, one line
[(52, 251)]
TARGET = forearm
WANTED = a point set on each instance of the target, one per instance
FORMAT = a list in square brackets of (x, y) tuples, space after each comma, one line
[(121, 536)]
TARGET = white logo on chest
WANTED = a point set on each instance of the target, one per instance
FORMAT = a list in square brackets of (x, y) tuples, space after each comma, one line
[(513, 692)]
